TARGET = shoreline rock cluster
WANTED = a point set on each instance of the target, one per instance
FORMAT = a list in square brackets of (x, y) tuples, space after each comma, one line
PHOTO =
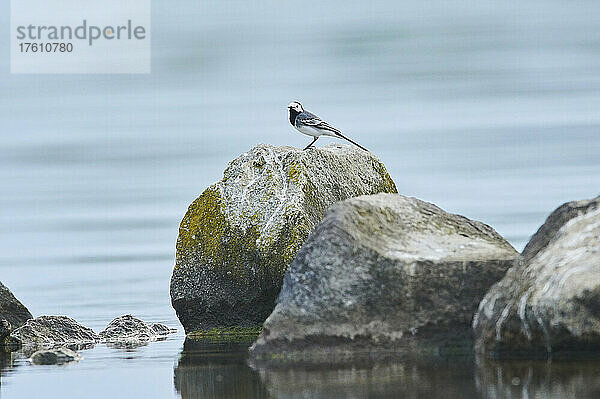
[(317, 253), (239, 236), (48, 331), (546, 305), (369, 273), (56, 339)]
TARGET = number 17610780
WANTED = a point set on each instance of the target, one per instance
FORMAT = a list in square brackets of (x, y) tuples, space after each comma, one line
[(46, 47)]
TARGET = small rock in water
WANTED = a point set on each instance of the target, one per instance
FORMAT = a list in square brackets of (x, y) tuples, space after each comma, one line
[(127, 328), (55, 356), (52, 330), (161, 329), (129, 331)]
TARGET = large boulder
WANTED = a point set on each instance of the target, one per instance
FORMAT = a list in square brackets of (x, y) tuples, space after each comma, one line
[(549, 302), (11, 310), (52, 331), (383, 272), (238, 238)]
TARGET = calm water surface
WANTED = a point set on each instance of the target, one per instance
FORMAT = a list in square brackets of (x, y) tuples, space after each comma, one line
[(488, 109)]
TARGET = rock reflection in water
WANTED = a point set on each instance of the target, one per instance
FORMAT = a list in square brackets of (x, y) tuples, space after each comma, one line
[(538, 379), (6, 359), (220, 370), (426, 378), (216, 370)]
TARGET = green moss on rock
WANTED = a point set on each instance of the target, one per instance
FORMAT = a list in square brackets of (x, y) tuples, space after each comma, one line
[(227, 334), (206, 234), (387, 184), (204, 221)]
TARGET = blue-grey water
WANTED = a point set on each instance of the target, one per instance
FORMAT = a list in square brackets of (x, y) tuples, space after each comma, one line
[(486, 108)]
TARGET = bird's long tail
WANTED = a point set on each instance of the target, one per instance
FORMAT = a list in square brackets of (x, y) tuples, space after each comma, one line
[(326, 126), (352, 141)]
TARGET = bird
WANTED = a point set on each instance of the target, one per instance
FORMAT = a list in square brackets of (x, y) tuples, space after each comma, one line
[(310, 124)]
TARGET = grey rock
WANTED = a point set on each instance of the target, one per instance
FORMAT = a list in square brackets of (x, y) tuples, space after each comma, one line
[(383, 273), (548, 304), (129, 331), (11, 309), (60, 355), (557, 219), (53, 330), (238, 238)]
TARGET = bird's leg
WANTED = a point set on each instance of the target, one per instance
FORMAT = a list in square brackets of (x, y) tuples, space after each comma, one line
[(310, 145)]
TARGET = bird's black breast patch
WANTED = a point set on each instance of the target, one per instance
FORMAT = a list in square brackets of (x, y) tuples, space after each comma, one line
[(293, 115)]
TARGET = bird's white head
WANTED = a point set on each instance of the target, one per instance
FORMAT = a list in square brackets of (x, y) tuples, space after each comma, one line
[(295, 106)]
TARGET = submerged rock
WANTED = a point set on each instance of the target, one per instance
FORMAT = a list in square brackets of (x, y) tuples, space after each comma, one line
[(52, 330), (382, 272), (161, 329), (238, 238), (549, 303), (11, 310), (129, 331), (55, 356), (126, 327)]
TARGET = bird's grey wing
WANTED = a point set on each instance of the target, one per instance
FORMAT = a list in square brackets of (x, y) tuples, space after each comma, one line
[(308, 119)]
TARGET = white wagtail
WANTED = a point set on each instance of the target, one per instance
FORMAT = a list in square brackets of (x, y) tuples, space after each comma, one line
[(312, 125)]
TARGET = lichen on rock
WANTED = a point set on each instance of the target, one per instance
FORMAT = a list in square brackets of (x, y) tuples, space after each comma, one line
[(239, 236), (226, 334)]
